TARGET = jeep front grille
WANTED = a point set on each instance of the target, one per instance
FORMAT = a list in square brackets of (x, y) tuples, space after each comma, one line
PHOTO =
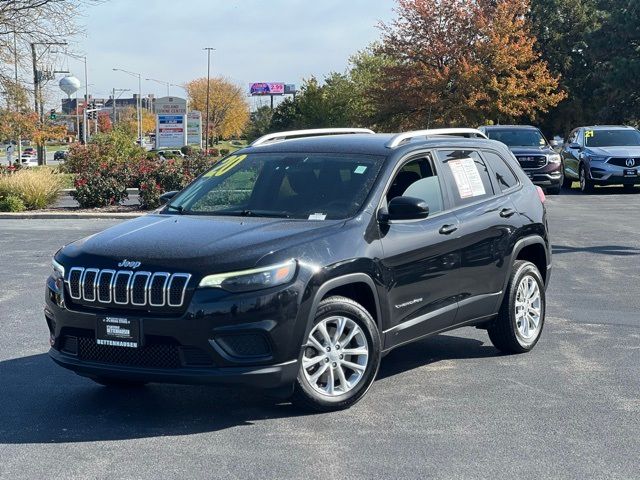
[(127, 288)]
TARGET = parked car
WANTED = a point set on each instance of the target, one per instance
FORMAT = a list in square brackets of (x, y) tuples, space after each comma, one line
[(29, 150), (602, 155), (175, 152), (296, 264), (60, 155), (535, 154), (28, 160)]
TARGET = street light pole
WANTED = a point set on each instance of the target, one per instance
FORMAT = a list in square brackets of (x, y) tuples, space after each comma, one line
[(139, 102), (206, 134)]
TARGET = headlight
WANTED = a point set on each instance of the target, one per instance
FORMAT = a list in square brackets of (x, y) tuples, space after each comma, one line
[(58, 273), (554, 158), (254, 279), (595, 158)]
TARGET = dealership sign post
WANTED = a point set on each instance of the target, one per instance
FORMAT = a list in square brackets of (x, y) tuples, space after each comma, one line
[(194, 129), (171, 125)]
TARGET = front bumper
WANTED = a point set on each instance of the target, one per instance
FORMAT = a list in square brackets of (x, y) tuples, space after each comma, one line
[(606, 174), (252, 339), (267, 377)]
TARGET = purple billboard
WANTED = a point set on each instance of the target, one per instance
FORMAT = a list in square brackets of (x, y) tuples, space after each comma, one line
[(267, 88)]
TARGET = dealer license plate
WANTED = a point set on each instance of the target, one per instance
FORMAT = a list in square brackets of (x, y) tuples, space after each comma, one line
[(118, 332), (631, 172)]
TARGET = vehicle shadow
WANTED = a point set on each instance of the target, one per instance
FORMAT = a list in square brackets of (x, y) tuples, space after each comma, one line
[(42, 403), (606, 190), (615, 250)]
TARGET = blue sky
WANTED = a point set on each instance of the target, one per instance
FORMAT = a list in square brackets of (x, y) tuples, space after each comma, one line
[(281, 40)]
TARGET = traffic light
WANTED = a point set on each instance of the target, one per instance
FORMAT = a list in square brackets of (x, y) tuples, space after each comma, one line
[(52, 114)]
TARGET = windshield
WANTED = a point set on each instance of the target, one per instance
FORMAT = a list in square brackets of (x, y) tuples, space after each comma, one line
[(518, 137), (612, 138), (289, 185)]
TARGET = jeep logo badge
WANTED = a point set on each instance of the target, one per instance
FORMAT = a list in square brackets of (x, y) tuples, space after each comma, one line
[(129, 264), (630, 162)]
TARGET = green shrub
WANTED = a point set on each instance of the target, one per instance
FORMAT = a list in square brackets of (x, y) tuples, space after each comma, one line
[(12, 203), (187, 150), (37, 188), (224, 151)]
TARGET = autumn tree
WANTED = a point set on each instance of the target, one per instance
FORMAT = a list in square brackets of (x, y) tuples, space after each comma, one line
[(128, 118), (105, 124), (462, 62), (228, 107)]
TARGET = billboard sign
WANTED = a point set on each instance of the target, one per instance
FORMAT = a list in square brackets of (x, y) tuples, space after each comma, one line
[(267, 88), (171, 131), (194, 129)]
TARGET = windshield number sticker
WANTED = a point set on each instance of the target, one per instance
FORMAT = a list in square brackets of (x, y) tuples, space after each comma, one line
[(317, 216), (588, 134), (467, 178), (225, 166)]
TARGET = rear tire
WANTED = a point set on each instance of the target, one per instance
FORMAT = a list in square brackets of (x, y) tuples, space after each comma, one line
[(330, 378), (628, 188), (566, 181), (518, 327), (114, 382)]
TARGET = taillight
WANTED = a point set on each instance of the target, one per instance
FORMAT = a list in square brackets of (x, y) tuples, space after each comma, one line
[(541, 194)]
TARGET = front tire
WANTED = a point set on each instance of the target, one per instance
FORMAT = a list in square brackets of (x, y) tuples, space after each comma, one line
[(521, 318), (566, 182), (340, 359), (586, 184)]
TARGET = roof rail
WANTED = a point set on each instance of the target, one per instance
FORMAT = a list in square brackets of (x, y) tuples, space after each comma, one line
[(315, 132), (400, 138)]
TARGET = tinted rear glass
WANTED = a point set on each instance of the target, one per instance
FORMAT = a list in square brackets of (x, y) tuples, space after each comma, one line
[(518, 137)]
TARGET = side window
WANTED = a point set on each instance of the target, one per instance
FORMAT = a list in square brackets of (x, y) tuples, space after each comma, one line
[(573, 137), (418, 179), (505, 178), (467, 175), (580, 137)]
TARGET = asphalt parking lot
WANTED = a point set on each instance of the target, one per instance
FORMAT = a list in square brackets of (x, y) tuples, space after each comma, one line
[(446, 407)]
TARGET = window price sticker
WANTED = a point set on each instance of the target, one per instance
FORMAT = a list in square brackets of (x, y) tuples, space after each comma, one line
[(467, 177)]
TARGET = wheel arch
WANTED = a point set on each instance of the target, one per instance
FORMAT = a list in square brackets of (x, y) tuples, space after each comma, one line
[(358, 285)]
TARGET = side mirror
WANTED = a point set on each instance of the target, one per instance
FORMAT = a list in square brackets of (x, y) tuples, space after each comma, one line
[(553, 143), (407, 208), (574, 146), (165, 197)]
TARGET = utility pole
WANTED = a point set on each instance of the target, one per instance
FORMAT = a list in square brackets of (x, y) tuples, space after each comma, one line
[(38, 78), (206, 134), (15, 68)]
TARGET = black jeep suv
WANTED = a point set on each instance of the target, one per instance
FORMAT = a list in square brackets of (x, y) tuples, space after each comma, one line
[(535, 154), (296, 264)]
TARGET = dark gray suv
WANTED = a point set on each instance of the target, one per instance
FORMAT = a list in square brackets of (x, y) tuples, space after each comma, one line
[(602, 155)]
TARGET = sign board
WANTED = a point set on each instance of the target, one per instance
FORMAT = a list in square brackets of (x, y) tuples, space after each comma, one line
[(171, 131), (171, 106), (194, 129), (289, 89), (267, 88)]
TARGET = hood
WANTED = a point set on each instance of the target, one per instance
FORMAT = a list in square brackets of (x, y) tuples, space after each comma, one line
[(193, 243), (625, 152), (546, 150)]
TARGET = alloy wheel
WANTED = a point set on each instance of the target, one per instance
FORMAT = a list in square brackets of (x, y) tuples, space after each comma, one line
[(335, 356), (528, 307)]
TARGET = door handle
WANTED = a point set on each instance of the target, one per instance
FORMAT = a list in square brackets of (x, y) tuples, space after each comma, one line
[(447, 229), (507, 212)]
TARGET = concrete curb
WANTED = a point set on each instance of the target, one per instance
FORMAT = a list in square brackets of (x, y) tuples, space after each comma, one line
[(68, 215), (67, 191)]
